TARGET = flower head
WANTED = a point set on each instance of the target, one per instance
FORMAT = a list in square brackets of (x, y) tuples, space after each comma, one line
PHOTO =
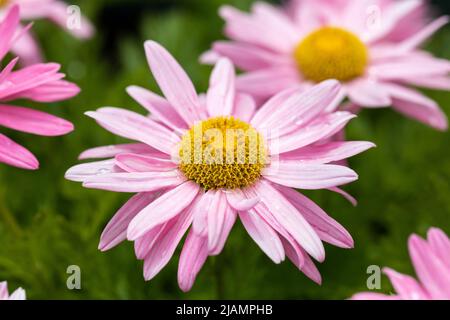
[(27, 48), (19, 294), (372, 47), (39, 82), (200, 162), (431, 260)]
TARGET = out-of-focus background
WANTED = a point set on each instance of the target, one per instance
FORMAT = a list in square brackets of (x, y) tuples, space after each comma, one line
[(48, 223)]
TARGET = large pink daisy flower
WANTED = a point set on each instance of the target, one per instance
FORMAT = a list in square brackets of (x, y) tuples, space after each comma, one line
[(431, 260), (19, 294), (57, 11), (39, 82), (178, 187), (341, 40)]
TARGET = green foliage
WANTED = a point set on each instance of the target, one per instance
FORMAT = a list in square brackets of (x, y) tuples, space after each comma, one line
[(48, 223)]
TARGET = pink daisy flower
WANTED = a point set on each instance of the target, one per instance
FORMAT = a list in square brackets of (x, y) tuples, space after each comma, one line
[(39, 82), (431, 260), (344, 40), (19, 294), (178, 187), (27, 48)]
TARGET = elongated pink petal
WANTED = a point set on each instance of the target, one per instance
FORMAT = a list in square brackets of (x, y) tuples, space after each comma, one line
[(166, 243), (134, 126), (27, 48), (294, 174), (289, 217), (144, 244), (15, 155), (134, 181), (405, 286), (216, 219), (228, 223), (113, 150), (158, 107), (49, 92), (345, 194), (141, 163), (33, 121), (84, 171), (174, 82), (433, 274), (8, 28), (164, 208), (264, 236), (245, 107), (323, 127), (19, 294), (440, 244), (222, 89), (367, 93), (326, 227), (418, 38), (327, 152), (192, 258), (238, 200), (4, 290), (116, 230)]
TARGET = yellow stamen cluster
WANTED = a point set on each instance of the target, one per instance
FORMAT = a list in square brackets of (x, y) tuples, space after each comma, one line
[(3, 3), (222, 153), (331, 53)]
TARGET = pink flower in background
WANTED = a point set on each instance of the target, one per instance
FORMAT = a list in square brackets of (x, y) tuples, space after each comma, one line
[(39, 82), (175, 190), (431, 260), (57, 11), (367, 45), (19, 294)]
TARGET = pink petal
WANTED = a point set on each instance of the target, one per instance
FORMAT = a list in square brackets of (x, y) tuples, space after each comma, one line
[(113, 150), (8, 28), (405, 286), (245, 107), (326, 227), (222, 89), (373, 296), (174, 82), (33, 121), (164, 208), (192, 258), (15, 155), (228, 223), (116, 230), (4, 290), (19, 294), (166, 243), (216, 219), (133, 126), (419, 37), (327, 152), (158, 107), (27, 48), (264, 236), (294, 174), (238, 201), (440, 244), (134, 181), (367, 93), (84, 171), (141, 163), (345, 194)]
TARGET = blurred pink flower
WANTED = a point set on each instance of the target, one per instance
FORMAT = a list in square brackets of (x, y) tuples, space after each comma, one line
[(370, 46), (174, 193), (39, 82), (431, 260), (57, 11), (19, 294)]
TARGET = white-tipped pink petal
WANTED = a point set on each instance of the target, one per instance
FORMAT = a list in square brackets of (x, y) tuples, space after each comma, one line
[(18, 294), (192, 258), (164, 208), (33, 121), (174, 82), (222, 89), (295, 174), (116, 230)]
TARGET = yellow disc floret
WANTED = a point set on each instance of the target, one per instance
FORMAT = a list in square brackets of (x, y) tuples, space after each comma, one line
[(222, 153), (331, 53), (3, 3)]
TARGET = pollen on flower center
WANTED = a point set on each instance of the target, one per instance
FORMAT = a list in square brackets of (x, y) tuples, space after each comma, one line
[(222, 153), (3, 3), (331, 53)]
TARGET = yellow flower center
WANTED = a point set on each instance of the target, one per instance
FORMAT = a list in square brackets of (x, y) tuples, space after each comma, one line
[(331, 53), (222, 153), (3, 3)]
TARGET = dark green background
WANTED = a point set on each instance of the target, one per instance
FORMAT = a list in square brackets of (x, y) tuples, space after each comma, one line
[(47, 223)]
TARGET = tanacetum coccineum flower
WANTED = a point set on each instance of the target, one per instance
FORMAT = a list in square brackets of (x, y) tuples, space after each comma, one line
[(431, 260), (19, 294), (337, 40), (57, 11), (204, 161), (39, 82)]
